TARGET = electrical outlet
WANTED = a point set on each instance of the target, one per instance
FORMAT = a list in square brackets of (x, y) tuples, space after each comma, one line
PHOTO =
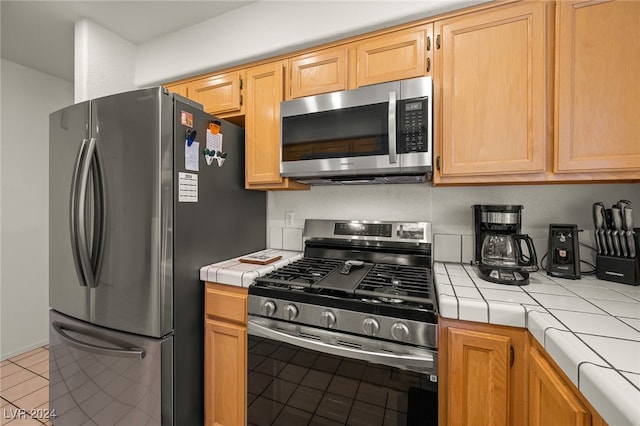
[(288, 219)]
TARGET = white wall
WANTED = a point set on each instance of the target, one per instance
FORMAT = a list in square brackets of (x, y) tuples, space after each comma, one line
[(28, 96), (449, 208), (104, 62), (267, 28)]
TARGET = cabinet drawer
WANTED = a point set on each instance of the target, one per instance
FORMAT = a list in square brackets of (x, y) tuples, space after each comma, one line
[(226, 302)]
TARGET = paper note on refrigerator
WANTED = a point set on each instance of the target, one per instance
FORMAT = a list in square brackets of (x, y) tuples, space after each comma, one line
[(187, 187), (191, 158)]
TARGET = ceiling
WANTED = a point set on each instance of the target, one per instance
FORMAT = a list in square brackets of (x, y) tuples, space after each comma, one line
[(40, 34)]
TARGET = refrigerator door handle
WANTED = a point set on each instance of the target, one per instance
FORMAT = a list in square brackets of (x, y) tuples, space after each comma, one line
[(73, 212), (81, 231), (127, 351), (99, 224)]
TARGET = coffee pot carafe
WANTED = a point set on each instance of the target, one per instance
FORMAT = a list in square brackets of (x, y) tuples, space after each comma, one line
[(505, 251)]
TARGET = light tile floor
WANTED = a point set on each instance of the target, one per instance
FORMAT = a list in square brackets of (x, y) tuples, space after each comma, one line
[(24, 389)]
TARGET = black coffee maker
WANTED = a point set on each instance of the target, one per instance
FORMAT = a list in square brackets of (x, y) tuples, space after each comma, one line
[(499, 254)]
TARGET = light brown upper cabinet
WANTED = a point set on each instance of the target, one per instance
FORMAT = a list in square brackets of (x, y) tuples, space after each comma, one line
[(597, 88), (318, 72), (491, 93), (181, 89), (220, 94), (394, 56), (265, 88)]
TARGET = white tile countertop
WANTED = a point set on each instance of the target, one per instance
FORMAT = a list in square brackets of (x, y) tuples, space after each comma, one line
[(234, 272), (590, 327)]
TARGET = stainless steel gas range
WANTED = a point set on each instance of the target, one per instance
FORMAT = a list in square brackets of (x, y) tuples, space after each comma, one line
[(348, 333)]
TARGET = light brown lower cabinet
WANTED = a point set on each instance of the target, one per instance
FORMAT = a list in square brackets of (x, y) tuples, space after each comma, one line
[(553, 399), (225, 355), (497, 375), (482, 374)]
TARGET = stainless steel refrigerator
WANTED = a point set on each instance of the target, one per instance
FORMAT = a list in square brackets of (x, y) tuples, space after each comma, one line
[(141, 195)]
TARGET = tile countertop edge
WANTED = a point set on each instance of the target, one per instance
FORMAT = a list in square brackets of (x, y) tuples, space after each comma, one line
[(540, 323), (233, 272)]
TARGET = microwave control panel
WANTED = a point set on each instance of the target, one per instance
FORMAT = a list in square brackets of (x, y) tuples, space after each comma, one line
[(412, 125)]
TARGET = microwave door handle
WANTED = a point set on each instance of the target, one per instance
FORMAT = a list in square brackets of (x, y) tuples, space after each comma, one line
[(392, 128)]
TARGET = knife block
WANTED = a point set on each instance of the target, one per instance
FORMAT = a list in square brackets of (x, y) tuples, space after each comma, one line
[(620, 269)]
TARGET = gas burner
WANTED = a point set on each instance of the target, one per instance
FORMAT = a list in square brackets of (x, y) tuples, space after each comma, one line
[(392, 295)]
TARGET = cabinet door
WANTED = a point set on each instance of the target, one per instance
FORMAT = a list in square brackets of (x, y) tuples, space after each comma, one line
[(318, 72), (551, 401), (597, 90), (262, 128), (262, 131), (180, 89), (479, 378), (491, 86), (225, 373), (219, 94), (394, 56)]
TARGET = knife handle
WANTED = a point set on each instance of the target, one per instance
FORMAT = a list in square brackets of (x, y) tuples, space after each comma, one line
[(627, 219), (619, 240), (615, 242), (632, 244), (603, 242), (610, 247)]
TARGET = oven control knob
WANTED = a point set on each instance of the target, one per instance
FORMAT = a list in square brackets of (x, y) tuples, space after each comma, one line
[(400, 331), (290, 312), (268, 308), (328, 319), (371, 326)]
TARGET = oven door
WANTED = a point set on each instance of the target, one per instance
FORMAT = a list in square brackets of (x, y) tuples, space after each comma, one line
[(300, 375)]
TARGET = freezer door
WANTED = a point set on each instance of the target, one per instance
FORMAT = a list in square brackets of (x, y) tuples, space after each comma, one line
[(68, 137), (102, 377), (133, 134)]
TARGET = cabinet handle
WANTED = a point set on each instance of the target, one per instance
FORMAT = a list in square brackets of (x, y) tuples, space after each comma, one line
[(438, 42), (240, 83), (428, 43), (512, 356), (438, 163), (428, 64), (240, 100)]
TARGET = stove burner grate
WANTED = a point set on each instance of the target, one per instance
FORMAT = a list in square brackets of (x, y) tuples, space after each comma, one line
[(396, 284), (300, 274)]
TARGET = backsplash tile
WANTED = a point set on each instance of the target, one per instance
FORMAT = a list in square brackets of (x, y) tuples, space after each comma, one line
[(292, 239), (275, 238), (447, 248)]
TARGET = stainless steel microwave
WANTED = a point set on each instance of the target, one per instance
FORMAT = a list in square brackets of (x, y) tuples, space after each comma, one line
[(378, 133)]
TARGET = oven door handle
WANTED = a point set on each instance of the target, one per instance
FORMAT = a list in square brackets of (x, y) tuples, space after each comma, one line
[(386, 358)]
